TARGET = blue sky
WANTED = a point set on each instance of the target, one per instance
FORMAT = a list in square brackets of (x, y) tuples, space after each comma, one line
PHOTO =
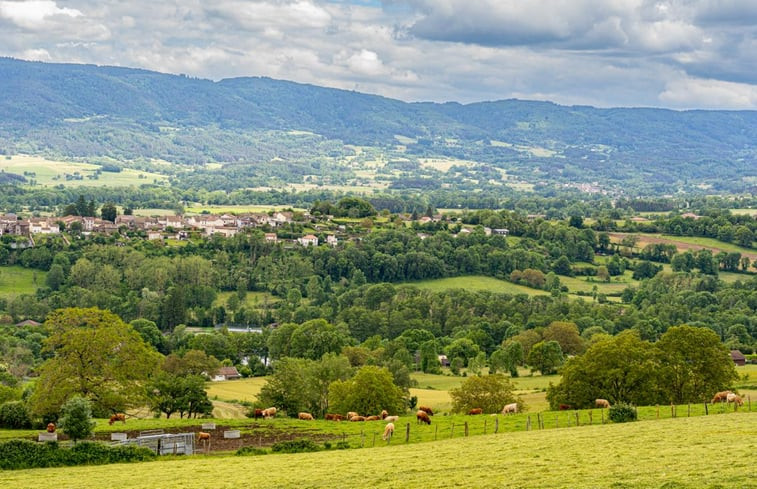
[(660, 53)]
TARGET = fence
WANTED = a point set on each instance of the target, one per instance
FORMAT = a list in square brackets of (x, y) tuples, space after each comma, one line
[(165, 444)]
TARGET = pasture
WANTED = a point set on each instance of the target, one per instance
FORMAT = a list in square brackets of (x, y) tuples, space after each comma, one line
[(15, 280), (684, 243), (236, 390), (197, 208), (52, 172), (475, 283), (672, 453)]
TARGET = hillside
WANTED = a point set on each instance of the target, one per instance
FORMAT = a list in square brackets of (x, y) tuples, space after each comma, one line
[(85, 110)]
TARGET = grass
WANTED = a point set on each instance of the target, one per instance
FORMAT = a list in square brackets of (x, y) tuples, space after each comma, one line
[(15, 280), (674, 453), (476, 282), (236, 390), (50, 173)]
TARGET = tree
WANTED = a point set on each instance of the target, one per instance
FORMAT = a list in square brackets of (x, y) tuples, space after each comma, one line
[(55, 277), (300, 384), (193, 362), (149, 332), (695, 364), (317, 337), (545, 357), (566, 334), (490, 393), (622, 368), (76, 418), (430, 357), (94, 355), (168, 393), (507, 358), (371, 390), (109, 212), (462, 348)]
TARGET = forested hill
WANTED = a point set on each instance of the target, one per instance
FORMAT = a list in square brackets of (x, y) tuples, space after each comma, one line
[(57, 103)]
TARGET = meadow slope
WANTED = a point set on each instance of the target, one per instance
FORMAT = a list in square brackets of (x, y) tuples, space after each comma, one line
[(711, 451)]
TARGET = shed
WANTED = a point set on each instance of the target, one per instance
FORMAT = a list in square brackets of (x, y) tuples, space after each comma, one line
[(227, 373), (738, 358)]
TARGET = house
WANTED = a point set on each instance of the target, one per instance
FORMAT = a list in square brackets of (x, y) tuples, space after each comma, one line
[(271, 237), (501, 231), (28, 322), (738, 358), (153, 235), (332, 240), (308, 240), (443, 360), (227, 373)]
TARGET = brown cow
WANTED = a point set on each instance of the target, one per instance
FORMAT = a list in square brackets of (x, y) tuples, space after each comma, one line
[(269, 412), (565, 407), (117, 417), (352, 414), (372, 418), (602, 403), (384, 414), (202, 436), (475, 411), (422, 417), (305, 416), (391, 418), (388, 431), (334, 417), (721, 396), (357, 418), (733, 398), (427, 410), (258, 413), (51, 427)]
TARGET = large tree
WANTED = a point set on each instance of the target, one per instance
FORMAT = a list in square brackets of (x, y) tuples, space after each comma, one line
[(695, 364), (490, 393), (94, 355), (369, 392)]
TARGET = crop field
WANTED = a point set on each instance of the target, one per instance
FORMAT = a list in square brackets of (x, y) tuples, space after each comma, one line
[(476, 282), (15, 280), (684, 243), (50, 172), (236, 390), (698, 452)]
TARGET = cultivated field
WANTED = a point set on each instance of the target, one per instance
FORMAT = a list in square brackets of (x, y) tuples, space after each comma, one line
[(698, 452), (50, 172), (684, 243)]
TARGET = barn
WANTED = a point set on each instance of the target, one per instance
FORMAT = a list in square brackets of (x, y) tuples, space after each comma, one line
[(738, 358), (227, 373)]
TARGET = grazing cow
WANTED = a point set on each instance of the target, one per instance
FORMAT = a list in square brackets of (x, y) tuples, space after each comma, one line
[(735, 399), (357, 418), (721, 396), (427, 410), (305, 416), (51, 427), (258, 413), (384, 414), (334, 417), (602, 403), (352, 414), (388, 431), (391, 418), (372, 418), (475, 411), (511, 408), (565, 407), (202, 436), (269, 412), (117, 417), (422, 417)]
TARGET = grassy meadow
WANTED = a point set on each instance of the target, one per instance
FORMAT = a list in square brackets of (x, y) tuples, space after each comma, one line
[(476, 282), (680, 453), (51, 172), (16, 280)]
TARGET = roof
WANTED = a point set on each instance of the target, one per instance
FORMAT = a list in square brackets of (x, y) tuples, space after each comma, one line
[(28, 322), (737, 355), (228, 371)]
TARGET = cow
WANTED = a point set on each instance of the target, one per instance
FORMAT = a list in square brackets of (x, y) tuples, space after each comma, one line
[(391, 418), (352, 414), (305, 416), (475, 411), (51, 427), (511, 408), (269, 412), (565, 407), (733, 398), (384, 414), (333, 417), (422, 417), (258, 413), (602, 403), (388, 431), (372, 418), (721, 396), (202, 436), (427, 410), (357, 418), (117, 417)]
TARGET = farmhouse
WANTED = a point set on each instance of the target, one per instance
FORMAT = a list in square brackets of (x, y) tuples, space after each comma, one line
[(227, 373), (738, 358), (308, 240)]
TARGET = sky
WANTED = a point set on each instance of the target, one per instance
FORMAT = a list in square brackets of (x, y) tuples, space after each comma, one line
[(679, 54)]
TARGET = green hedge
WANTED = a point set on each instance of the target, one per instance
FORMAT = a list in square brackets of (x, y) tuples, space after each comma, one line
[(295, 446), (25, 454)]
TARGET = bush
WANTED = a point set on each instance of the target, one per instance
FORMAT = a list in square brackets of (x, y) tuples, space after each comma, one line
[(244, 451), (622, 413), (25, 454), (295, 446), (342, 445), (76, 420), (14, 415)]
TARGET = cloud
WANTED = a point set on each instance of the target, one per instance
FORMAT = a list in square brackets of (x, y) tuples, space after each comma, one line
[(34, 14), (691, 93)]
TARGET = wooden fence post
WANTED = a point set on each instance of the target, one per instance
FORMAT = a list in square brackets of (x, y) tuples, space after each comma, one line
[(658, 411), (591, 421), (557, 420), (452, 430), (706, 411), (689, 410), (528, 423), (485, 420), (672, 410), (436, 430), (496, 425), (602, 411), (466, 428), (362, 438), (578, 422), (749, 402), (407, 433), (374, 439)]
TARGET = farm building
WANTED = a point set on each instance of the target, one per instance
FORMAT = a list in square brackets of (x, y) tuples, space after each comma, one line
[(738, 358), (227, 373)]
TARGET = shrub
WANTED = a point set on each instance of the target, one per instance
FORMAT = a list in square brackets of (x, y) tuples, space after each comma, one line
[(14, 415), (25, 454), (342, 445), (622, 413), (244, 451), (295, 446), (76, 420)]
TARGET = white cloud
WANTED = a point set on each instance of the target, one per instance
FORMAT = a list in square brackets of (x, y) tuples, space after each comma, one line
[(33, 14), (691, 93)]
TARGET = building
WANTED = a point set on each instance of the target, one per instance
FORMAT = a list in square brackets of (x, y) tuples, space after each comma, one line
[(227, 373), (308, 240), (738, 358)]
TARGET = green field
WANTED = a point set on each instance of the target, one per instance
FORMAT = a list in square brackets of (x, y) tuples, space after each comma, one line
[(253, 300), (234, 209), (710, 451), (50, 172), (236, 390), (476, 282), (15, 280)]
